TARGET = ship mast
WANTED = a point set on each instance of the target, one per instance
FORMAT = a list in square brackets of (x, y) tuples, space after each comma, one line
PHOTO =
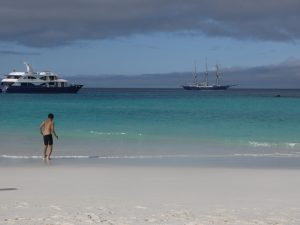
[(195, 74), (217, 75), (206, 73)]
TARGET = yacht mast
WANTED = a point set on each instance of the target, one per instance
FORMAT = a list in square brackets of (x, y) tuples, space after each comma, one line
[(29, 69)]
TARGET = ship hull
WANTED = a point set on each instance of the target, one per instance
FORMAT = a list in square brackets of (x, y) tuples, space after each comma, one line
[(206, 88), (42, 90)]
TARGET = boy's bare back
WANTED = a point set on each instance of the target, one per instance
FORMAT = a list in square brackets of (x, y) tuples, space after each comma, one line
[(47, 127)]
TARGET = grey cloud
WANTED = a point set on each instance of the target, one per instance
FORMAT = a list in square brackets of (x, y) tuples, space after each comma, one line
[(58, 22), (11, 52), (283, 75)]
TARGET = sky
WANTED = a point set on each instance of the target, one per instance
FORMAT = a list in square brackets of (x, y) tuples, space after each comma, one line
[(138, 37)]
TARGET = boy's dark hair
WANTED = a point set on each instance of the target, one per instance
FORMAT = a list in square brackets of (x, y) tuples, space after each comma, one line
[(50, 116)]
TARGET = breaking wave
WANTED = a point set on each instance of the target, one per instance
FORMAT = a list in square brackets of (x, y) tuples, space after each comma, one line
[(289, 145)]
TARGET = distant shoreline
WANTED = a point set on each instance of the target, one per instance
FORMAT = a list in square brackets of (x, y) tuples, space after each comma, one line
[(179, 88)]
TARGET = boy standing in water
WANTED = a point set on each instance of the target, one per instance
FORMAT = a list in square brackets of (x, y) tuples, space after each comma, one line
[(47, 129)]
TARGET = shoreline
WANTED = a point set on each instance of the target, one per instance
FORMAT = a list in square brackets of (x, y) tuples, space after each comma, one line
[(236, 161)]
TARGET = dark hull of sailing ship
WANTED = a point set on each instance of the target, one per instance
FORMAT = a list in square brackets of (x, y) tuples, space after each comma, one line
[(208, 88)]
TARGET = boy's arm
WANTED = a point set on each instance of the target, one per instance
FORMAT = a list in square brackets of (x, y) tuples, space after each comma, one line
[(53, 131), (41, 127)]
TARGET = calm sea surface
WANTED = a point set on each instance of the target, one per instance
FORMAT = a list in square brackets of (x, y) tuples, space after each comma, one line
[(154, 123)]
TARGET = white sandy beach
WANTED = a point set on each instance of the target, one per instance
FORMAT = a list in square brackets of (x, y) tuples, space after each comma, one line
[(101, 194)]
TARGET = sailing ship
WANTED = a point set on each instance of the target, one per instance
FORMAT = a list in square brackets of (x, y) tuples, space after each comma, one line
[(205, 85)]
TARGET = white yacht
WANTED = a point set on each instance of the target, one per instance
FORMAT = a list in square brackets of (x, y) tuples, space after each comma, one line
[(36, 82)]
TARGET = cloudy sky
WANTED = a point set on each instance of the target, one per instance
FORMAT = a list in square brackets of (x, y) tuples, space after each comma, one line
[(132, 37)]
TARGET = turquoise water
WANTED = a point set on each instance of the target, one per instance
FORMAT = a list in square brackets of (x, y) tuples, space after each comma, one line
[(136, 122)]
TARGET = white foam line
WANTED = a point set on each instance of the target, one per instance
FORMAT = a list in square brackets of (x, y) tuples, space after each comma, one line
[(107, 133), (111, 157), (21, 157), (146, 157), (98, 157), (290, 145), (297, 154), (40, 157), (268, 155)]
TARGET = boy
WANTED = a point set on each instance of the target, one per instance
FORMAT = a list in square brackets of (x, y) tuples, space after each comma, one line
[(47, 129)]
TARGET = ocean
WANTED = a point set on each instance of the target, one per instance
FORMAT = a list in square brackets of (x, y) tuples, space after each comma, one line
[(186, 126)]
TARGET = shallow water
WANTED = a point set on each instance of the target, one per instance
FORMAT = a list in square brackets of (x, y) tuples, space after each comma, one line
[(154, 122)]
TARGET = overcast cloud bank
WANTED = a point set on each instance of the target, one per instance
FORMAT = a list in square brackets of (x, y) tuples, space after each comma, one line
[(283, 75), (58, 22)]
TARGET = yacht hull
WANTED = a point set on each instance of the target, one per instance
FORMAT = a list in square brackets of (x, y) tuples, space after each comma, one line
[(206, 88), (42, 90)]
